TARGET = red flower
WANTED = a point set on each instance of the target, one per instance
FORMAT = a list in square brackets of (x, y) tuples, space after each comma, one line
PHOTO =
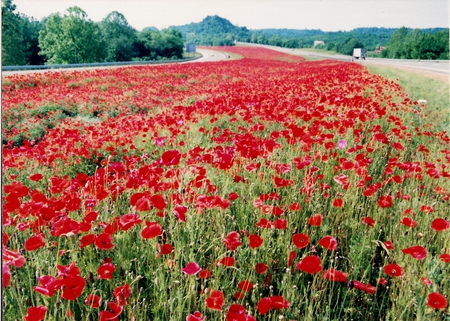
[(315, 220), (164, 249), (264, 305), (104, 241), (260, 268), (204, 274), (439, 224), (232, 196), (127, 221), (34, 242), (122, 293), (278, 302), (417, 252), (245, 286), (334, 275), (445, 258), (170, 158), (295, 207), (300, 240), (105, 271), (338, 202), (142, 201), (6, 275), (93, 301), (35, 313), (227, 261), (368, 220), (114, 310), (236, 312), (409, 222), (426, 281), (196, 316), (191, 268), (328, 242), (151, 230), (48, 286), (389, 245), (87, 240), (215, 301), (72, 287), (436, 301), (426, 209), (232, 240), (255, 241), (180, 212), (385, 201), (310, 264), (393, 270)]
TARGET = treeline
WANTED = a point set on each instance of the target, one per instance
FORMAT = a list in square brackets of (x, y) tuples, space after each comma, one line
[(74, 38), (417, 44)]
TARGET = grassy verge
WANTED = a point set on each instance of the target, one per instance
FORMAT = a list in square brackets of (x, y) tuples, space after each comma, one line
[(420, 85)]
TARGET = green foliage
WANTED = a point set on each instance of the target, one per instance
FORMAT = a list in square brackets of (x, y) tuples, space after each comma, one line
[(167, 43), (71, 38), (12, 38)]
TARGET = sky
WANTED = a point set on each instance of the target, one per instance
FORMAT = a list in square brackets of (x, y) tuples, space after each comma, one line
[(327, 15)]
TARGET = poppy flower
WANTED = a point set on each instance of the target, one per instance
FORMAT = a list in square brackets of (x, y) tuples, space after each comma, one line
[(245, 286), (170, 158), (34, 242), (427, 209), (368, 221), (439, 224), (264, 305), (164, 249), (278, 302), (264, 223), (436, 301), (48, 286), (104, 241), (72, 287), (385, 201), (36, 177), (255, 241), (215, 301), (93, 301), (328, 242), (310, 264), (236, 312), (35, 313), (260, 268), (105, 271), (122, 293), (335, 275), (232, 196), (204, 274), (114, 310), (338, 202), (426, 281), (232, 240), (191, 268), (393, 270), (127, 221), (389, 245), (408, 222), (6, 275), (417, 252), (180, 212), (295, 207), (315, 220), (196, 316), (300, 240), (445, 258), (227, 261), (280, 224), (151, 230), (87, 240)]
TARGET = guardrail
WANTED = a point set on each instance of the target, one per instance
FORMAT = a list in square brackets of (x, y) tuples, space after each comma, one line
[(98, 64)]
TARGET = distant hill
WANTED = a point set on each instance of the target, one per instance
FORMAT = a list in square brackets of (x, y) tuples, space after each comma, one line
[(213, 30)]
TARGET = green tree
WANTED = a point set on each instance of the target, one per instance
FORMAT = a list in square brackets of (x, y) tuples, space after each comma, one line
[(12, 39), (30, 28), (121, 37), (171, 43), (71, 38)]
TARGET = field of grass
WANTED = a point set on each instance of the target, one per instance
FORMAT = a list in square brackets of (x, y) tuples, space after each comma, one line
[(261, 188)]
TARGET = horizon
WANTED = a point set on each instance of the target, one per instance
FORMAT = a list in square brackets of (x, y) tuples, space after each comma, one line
[(258, 14)]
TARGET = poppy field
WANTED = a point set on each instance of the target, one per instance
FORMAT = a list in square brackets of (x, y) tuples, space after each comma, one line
[(260, 188)]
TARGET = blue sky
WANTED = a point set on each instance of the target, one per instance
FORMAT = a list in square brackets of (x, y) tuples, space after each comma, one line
[(328, 15)]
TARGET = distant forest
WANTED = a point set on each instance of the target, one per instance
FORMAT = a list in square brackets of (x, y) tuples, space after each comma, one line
[(404, 43)]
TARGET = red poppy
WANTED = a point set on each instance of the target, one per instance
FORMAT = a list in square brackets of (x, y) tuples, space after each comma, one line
[(36, 177), (417, 252), (328, 242), (393, 270), (232, 196), (72, 287), (142, 201), (151, 230), (105, 271), (338, 202), (215, 301), (264, 305), (385, 201), (260, 268), (127, 221), (280, 224), (335, 275), (204, 274), (122, 293), (34, 242), (6, 275), (255, 241), (245, 286), (232, 240), (164, 249), (35, 313), (114, 310), (104, 241), (310, 264), (382, 281), (236, 312), (368, 220), (436, 301), (238, 295), (87, 240), (295, 207), (445, 258), (48, 286), (278, 302), (264, 223), (300, 240), (409, 222), (427, 209), (93, 301), (389, 245), (191, 268), (196, 316), (426, 281), (291, 257), (439, 224), (227, 261), (315, 220), (180, 212)]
